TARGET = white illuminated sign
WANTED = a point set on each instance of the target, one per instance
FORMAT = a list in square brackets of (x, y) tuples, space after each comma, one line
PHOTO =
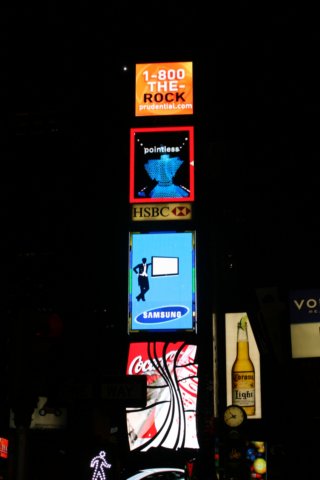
[(99, 464)]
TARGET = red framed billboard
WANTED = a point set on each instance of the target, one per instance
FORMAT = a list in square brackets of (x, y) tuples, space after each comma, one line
[(161, 164), (168, 419)]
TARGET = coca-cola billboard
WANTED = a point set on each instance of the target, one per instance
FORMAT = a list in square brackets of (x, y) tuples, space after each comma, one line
[(169, 418)]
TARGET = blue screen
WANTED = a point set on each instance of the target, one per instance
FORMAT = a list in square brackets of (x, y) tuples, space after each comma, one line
[(166, 300)]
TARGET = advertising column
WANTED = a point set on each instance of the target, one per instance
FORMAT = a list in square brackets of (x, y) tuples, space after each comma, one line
[(162, 293)]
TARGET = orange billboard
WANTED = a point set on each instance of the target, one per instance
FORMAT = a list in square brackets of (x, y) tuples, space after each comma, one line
[(164, 89)]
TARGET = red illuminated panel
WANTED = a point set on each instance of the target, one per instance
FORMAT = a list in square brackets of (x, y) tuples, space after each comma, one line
[(169, 418), (161, 164), (4, 443)]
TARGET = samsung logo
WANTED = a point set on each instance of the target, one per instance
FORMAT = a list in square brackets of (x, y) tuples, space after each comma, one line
[(162, 315)]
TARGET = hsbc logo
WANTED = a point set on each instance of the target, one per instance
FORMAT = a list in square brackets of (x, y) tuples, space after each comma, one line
[(181, 211), (156, 211)]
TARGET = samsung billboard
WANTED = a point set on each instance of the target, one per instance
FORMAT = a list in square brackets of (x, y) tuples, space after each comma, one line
[(162, 281)]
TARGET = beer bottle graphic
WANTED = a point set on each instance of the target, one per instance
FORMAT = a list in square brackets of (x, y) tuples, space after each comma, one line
[(242, 372)]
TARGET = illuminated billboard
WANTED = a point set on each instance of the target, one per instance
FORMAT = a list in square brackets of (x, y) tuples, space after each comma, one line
[(163, 212), (162, 281), (305, 323), (161, 164), (4, 443), (243, 380), (164, 89), (168, 419)]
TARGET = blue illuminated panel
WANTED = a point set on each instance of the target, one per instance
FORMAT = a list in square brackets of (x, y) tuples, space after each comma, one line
[(162, 281)]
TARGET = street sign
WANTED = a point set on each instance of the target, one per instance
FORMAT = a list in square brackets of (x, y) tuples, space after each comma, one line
[(127, 390), (130, 390)]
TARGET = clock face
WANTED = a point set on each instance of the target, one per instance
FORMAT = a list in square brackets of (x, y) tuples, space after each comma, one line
[(234, 416)]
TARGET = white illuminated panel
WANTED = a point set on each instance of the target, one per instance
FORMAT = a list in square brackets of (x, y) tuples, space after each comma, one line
[(165, 266), (305, 340)]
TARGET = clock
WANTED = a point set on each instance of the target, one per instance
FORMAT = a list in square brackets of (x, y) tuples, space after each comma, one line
[(234, 416)]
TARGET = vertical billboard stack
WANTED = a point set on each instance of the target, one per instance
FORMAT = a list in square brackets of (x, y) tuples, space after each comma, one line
[(162, 295)]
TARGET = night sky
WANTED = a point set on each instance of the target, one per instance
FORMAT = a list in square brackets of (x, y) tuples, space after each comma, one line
[(67, 106)]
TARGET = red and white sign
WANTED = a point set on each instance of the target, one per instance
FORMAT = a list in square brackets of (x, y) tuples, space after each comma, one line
[(169, 418)]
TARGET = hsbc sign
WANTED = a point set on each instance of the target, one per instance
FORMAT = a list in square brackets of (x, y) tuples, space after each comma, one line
[(156, 211)]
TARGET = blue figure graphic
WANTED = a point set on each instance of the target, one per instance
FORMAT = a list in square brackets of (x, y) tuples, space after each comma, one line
[(162, 170)]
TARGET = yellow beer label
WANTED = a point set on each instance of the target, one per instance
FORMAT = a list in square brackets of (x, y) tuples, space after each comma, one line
[(243, 389)]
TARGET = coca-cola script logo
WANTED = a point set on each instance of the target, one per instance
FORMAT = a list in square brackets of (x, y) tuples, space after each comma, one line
[(169, 418), (139, 366)]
